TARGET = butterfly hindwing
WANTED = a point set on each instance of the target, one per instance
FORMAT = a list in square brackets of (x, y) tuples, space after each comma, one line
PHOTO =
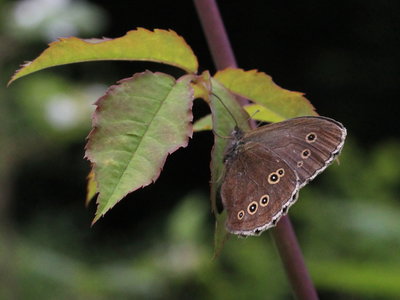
[(257, 190)]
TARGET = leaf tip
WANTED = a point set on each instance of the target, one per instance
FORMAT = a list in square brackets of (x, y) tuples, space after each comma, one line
[(96, 218), (17, 73)]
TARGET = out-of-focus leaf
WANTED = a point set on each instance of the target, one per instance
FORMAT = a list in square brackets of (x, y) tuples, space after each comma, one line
[(364, 278), (135, 126), (258, 87), (54, 108), (163, 46), (91, 188)]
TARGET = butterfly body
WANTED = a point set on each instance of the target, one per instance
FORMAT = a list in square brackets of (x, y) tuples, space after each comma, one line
[(266, 167)]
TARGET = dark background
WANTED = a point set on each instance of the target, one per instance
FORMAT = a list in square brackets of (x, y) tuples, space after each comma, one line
[(343, 55)]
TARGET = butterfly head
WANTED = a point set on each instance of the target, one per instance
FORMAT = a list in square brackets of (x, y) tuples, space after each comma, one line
[(237, 133)]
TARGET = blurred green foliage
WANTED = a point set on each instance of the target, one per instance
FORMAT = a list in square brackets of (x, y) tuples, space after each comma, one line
[(349, 237), (347, 220)]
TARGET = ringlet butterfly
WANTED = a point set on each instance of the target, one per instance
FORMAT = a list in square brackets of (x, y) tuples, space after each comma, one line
[(266, 167)]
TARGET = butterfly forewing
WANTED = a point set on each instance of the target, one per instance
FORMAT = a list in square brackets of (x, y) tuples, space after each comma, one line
[(307, 144)]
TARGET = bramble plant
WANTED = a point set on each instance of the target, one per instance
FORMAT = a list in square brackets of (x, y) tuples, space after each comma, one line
[(142, 119)]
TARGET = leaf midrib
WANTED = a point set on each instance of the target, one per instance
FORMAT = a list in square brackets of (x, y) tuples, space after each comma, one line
[(139, 145)]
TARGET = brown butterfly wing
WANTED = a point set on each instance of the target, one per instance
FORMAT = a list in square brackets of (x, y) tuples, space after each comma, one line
[(254, 198), (307, 144)]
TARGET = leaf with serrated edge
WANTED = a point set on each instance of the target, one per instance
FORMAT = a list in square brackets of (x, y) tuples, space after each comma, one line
[(259, 88), (135, 126), (163, 46)]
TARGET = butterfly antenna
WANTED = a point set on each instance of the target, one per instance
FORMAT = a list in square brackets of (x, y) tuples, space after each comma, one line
[(221, 136), (216, 133), (250, 118), (227, 109), (258, 123), (254, 113)]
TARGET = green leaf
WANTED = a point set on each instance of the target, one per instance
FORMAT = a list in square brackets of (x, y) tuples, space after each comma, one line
[(135, 126), (220, 233), (201, 86), (91, 188), (280, 104), (163, 46), (255, 111), (204, 123), (261, 113), (224, 122), (362, 278)]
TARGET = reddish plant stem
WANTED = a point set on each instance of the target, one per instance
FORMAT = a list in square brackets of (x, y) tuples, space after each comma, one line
[(217, 38), (293, 261), (283, 235)]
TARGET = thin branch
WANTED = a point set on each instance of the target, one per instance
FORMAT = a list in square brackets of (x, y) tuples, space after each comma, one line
[(284, 236), (292, 260), (217, 38)]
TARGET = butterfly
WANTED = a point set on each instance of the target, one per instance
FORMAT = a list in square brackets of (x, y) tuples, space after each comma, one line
[(266, 167)]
